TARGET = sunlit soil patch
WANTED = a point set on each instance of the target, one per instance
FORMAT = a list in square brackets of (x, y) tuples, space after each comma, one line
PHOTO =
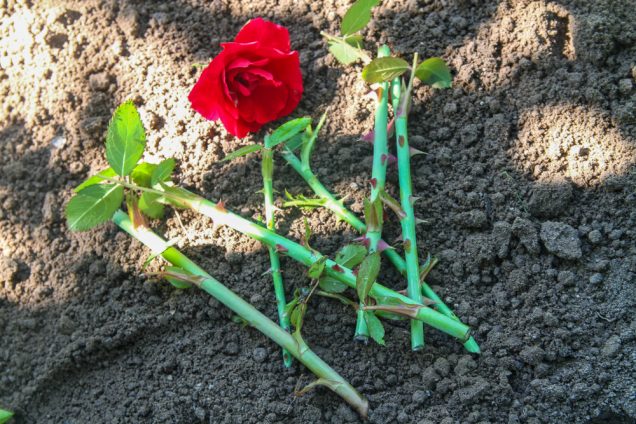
[(571, 142)]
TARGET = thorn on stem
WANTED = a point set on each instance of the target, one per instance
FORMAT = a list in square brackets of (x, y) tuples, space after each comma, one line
[(221, 206), (281, 249), (337, 268), (413, 151), (368, 137), (362, 240), (374, 182), (383, 245)]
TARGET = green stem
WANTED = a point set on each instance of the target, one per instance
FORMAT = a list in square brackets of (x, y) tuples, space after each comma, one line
[(346, 215), (334, 205), (277, 278), (295, 346), (408, 221), (221, 216), (470, 344), (380, 144), (378, 178)]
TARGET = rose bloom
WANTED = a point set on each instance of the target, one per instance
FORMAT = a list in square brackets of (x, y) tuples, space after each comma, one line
[(255, 79)]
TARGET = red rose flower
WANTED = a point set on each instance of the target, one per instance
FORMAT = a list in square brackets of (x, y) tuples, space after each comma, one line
[(255, 79)]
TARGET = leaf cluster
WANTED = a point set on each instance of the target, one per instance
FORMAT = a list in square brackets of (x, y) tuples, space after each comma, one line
[(100, 196)]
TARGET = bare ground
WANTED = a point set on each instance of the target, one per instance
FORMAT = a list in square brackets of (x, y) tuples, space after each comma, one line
[(528, 187)]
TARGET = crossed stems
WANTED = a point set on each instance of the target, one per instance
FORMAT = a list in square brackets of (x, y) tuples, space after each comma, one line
[(329, 201), (295, 346), (221, 216)]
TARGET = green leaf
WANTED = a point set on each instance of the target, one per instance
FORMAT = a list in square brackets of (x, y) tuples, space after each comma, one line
[(312, 134), (384, 69), (150, 206), (5, 416), (302, 201), (427, 267), (367, 274), (355, 40), (307, 236), (180, 284), (376, 329), (95, 179), (142, 174), (344, 52), (373, 214), (358, 16), (351, 255), (163, 171), (296, 141), (93, 205), (287, 131), (298, 316), (245, 150), (434, 72), (126, 139), (317, 268), (392, 203), (289, 308), (332, 285)]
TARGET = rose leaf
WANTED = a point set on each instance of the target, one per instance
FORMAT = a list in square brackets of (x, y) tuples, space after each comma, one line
[(434, 72), (125, 140), (384, 69)]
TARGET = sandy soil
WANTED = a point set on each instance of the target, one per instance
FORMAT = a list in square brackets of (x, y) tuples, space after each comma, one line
[(528, 187)]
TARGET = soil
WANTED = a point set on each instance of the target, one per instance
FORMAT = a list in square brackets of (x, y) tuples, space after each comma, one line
[(527, 186)]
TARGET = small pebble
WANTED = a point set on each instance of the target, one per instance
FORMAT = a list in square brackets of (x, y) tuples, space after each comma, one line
[(595, 236), (419, 396), (260, 354), (596, 278), (199, 413), (58, 142), (612, 345), (231, 348)]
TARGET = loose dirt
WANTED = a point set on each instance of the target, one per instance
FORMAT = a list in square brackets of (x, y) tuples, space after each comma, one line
[(527, 186)]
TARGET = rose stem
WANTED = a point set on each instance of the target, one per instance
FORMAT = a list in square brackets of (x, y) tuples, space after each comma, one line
[(267, 170), (304, 170), (346, 215), (221, 216), (408, 221), (296, 347), (378, 178)]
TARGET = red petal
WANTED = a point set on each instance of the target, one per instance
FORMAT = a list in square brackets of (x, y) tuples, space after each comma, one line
[(268, 34), (265, 103), (287, 71)]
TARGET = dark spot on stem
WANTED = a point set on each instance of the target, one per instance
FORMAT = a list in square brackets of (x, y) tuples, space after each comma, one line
[(407, 245), (401, 140)]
